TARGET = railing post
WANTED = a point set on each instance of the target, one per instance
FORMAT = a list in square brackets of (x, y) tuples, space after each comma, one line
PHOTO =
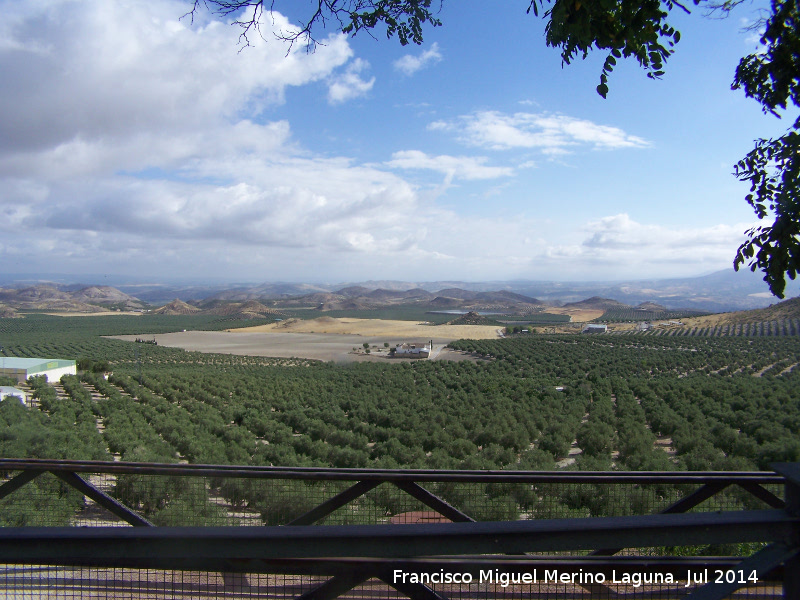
[(791, 577)]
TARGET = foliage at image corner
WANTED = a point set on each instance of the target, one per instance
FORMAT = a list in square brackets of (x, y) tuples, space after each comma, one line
[(771, 76)]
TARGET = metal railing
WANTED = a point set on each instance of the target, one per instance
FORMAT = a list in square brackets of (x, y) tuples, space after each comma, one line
[(601, 531)]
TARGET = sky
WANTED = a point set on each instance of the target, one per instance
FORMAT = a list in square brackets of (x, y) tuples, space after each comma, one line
[(136, 141)]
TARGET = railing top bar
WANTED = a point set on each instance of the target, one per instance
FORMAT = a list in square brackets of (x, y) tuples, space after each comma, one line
[(310, 473), (23, 544)]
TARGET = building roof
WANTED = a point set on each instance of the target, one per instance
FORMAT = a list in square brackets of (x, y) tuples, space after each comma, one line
[(7, 390), (34, 364)]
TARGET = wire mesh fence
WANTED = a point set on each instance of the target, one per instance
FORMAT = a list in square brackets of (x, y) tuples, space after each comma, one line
[(33, 582), (227, 497), (186, 500)]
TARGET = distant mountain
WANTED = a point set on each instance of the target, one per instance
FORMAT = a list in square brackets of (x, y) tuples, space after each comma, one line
[(414, 294), (721, 291), (84, 299), (445, 303), (504, 296), (6, 312), (353, 291), (176, 307), (251, 309), (104, 295), (271, 291), (459, 293)]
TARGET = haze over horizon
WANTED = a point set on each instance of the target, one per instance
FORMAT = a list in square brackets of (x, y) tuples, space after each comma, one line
[(137, 143)]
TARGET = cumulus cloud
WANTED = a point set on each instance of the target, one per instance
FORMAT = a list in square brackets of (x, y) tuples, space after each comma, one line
[(142, 143), (348, 85), (129, 135), (454, 167), (86, 70), (410, 64), (619, 244), (549, 133)]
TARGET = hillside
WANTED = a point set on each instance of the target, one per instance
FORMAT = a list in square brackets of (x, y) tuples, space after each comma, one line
[(6, 312), (245, 310), (472, 318), (652, 306), (787, 309), (596, 303), (176, 307), (45, 297)]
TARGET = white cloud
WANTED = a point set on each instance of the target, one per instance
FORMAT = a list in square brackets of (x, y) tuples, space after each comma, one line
[(410, 64), (135, 141), (618, 244), (549, 133), (123, 139), (458, 167), (349, 85), (95, 69)]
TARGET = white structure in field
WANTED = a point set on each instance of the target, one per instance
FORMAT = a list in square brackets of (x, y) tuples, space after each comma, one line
[(414, 350), (7, 390), (594, 328), (22, 368)]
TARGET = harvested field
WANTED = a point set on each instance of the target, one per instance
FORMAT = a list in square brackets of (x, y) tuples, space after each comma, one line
[(378, 327), (579, 315), (104, 313), (324, 339)]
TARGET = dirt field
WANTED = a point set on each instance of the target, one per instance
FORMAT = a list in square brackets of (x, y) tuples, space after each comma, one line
[(378, 327), (94, 314), (579, 315), (325, 339)]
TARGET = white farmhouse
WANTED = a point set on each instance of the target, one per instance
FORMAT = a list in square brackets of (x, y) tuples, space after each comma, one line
[(413, 350)]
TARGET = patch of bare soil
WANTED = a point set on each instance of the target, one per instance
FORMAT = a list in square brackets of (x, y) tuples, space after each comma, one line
[(339, 340), (377, 327), (579, 315), (104, 313)]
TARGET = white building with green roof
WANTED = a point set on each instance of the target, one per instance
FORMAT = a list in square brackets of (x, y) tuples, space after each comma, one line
[(22, 368)]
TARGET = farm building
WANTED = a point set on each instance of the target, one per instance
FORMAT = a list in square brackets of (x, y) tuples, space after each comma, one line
[(413, 350), (593, 328), (22, 368), (7, 390)]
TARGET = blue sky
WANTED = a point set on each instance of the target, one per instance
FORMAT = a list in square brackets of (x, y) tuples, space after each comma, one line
[(136, 142)]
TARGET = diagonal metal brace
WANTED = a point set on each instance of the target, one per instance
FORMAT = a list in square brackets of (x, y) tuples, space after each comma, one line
[(762, 494), (762, 562), (689, 502), (103, 499), (431, 500), (684, 504), (12, 485), (339, 500)]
